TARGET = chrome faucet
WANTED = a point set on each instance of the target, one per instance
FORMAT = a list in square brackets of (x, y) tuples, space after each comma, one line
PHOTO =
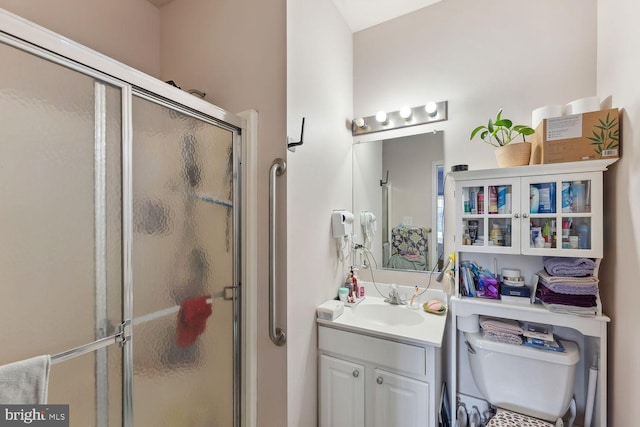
[(394, 297)]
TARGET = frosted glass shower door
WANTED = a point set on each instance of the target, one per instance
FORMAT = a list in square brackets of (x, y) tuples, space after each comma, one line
[(60, 228), (182, 261)]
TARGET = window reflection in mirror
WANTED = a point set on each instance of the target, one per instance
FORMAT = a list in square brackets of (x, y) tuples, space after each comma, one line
[(398, 202)]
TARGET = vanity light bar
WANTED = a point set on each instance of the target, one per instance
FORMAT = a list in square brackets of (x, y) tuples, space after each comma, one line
[(429, 113)]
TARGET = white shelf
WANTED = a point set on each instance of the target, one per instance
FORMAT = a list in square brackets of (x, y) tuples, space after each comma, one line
[(464, 306), (532, 170)]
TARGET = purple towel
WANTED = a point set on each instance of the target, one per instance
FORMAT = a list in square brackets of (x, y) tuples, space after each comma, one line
[(546, 295), (560, 266), (587, 285)]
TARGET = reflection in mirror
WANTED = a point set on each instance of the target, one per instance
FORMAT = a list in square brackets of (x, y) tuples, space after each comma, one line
[(398, 202)]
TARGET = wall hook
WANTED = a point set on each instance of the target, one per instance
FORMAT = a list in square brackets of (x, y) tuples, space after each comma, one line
[(386, 181), (291, 146)]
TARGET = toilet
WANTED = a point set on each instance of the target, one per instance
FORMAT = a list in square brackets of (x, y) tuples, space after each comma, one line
[(528, 381)]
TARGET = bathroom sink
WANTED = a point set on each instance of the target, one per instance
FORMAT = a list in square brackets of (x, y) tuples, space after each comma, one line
[(388, 315), (374, 317)]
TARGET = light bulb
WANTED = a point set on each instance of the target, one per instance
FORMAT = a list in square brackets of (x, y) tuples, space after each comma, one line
[(381, 117), (405, 113), (359, 122), (431, 108)]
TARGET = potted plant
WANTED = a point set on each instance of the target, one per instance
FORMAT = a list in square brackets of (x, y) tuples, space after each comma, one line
[(500, 133)]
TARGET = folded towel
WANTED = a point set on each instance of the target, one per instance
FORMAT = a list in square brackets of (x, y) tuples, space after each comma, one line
[(569, 309), (561, 266), (500, 325), (25, 382), (587, 285), (550, 297), (502, 337), (192, 319)]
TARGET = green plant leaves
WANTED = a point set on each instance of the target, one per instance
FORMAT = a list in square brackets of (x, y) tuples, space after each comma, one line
[(501, 131)]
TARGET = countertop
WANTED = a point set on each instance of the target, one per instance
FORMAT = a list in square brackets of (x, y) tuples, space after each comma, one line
[(429, 332)]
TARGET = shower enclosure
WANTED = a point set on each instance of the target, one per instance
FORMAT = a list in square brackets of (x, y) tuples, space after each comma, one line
[(119, 247)]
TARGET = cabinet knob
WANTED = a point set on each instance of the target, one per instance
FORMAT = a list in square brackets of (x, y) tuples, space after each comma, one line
[(356, 373), (379, 380), (516, 216), (525, 215)]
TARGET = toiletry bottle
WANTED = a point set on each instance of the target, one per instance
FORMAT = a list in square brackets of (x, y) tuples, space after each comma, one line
[(502, 200), (465, 200), (534, 199), (577, 192), (539, 241), (583, 236), (493, 200), (507, 236), (496, 235), (348, 283), (354, 279), (480, 202), (545, 233), (566, 197)]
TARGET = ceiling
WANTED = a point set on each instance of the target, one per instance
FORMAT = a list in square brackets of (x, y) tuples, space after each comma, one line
[(159, 3), (361, 14)]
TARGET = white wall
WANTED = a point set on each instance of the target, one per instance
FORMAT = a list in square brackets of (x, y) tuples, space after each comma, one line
[(126, 30), (618, 71), (447, 52), (319, 87)]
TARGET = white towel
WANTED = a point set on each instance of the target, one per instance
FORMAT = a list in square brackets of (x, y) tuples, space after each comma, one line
[(25, 382)]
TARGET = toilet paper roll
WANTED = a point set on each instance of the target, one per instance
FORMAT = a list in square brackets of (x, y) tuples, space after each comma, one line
[(546, 112), (583, 105), (469, 323)]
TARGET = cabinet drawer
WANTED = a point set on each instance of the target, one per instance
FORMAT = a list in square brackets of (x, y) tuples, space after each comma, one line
[(393, 355)]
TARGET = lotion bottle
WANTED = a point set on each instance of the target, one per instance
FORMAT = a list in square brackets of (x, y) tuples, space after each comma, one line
[(534, 198)]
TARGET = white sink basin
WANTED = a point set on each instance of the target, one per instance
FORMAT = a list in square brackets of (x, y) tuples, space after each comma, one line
[(372, 316), (388, 315)]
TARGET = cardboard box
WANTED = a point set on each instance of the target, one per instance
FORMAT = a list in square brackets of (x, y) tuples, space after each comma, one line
[(587, 136)]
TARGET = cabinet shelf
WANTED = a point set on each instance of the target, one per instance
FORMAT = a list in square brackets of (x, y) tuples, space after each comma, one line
[(590, 326)]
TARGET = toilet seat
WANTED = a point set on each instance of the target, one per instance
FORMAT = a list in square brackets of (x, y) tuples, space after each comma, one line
[(504, 418)]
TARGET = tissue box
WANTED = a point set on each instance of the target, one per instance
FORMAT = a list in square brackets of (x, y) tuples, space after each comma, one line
[(330, 310), (586, 136)]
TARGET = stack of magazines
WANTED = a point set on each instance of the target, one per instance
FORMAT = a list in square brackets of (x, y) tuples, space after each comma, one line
[(540, 337)]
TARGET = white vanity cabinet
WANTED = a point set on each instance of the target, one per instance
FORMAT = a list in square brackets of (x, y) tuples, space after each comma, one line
[(375, 382), (501, 211), (341, 392)]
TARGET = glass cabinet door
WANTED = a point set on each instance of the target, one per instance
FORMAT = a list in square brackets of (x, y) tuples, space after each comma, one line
[(488, 214), (563, 219)]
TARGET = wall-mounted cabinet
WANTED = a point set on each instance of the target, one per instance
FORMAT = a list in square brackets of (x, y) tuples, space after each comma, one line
[(509, 214), (552, 210)]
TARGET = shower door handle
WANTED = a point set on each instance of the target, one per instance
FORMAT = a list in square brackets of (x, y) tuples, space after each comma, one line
[(277, 335)]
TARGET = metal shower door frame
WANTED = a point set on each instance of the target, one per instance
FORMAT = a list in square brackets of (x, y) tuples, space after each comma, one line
[(38, 41)]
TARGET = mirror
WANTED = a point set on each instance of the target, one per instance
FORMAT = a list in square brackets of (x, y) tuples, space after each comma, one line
[(398, 202)]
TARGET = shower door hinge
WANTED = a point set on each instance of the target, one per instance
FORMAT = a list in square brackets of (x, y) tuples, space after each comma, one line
[(124, 332), (230, 292)]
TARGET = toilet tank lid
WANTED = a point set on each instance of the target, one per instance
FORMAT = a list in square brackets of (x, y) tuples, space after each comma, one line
[(570, 356)]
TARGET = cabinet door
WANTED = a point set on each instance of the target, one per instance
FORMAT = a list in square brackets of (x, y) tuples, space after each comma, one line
[(399, 401), (341, 393), (566, 210), (489, 212)]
